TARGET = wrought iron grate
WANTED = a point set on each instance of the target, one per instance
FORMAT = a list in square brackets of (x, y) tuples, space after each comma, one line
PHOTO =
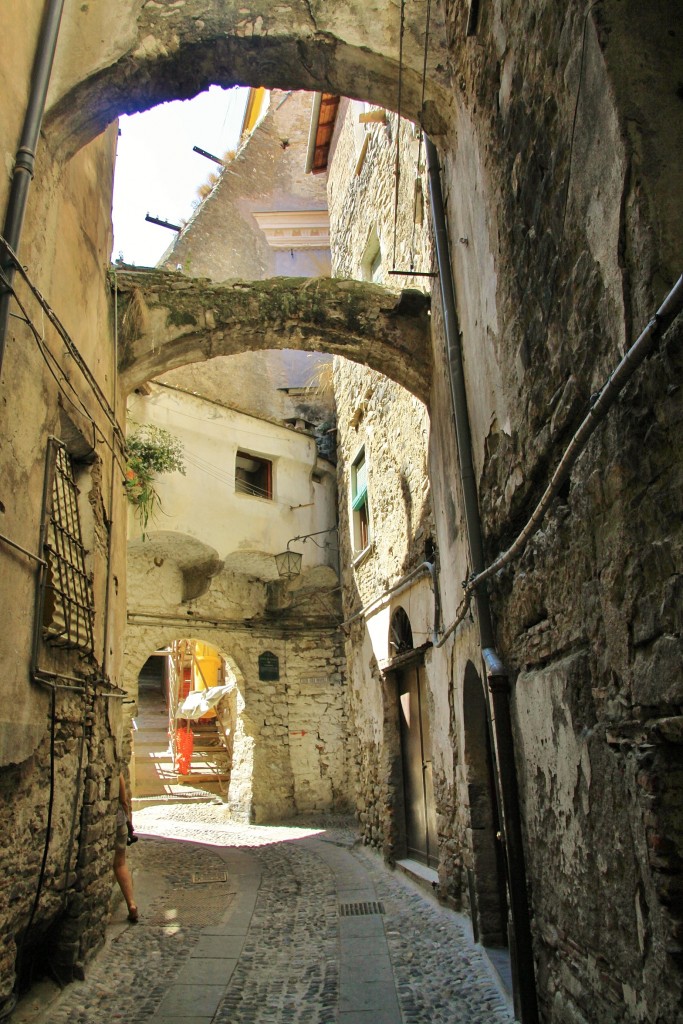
[(203, 877), (68, 598), (358, 909)]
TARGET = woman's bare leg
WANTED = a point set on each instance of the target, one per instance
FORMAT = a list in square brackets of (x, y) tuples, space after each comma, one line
[(122, 874)]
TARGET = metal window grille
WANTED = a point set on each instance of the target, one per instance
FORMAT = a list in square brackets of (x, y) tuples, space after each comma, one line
[(67, 599)]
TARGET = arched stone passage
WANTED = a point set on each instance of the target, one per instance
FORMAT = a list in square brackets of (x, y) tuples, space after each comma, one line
[(141, 641), (157, 52), (168, 320)]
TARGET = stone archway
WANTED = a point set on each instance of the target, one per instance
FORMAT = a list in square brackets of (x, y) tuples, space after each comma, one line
[(143, 640), (168, 320), (156, 53)]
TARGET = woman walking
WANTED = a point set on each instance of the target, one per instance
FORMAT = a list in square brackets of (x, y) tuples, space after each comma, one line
[(124, 829)]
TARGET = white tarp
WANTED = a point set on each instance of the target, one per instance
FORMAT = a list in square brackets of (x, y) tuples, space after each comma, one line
[(200, 702)]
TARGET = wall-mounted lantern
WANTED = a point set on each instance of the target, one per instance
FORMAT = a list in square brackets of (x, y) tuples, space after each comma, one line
[(289, 562)]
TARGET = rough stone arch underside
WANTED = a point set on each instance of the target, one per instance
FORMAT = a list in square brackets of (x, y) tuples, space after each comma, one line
[(157, 52), (143, 640), (168, 320)]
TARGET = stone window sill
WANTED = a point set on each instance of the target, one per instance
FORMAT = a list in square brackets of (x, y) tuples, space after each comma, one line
[(362, 555), (253, 497)]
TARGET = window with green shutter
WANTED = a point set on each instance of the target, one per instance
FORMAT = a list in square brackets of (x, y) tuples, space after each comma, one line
[(360, 526)]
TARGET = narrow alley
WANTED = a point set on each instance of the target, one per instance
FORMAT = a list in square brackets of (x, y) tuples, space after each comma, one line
[(340, 527), (279, 924)]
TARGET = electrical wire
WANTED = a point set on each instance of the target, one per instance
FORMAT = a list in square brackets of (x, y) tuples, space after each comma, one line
[(421, 118), (575, 117), (246, 431), (48, 835), (74, 808), (68, 341), (572, 138), (223, 476), (57, 373)]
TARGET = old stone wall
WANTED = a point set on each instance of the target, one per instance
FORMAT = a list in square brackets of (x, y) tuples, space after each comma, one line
[(60, 761), (391, 427), (556, 125), (410, 475), (147, 55), (524, 205), (547, 183), (223, 239)]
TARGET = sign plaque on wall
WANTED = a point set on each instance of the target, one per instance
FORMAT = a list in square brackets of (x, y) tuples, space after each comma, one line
[(268, 666)]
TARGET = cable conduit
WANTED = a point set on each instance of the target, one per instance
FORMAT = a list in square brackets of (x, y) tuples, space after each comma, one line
[(601, 403)]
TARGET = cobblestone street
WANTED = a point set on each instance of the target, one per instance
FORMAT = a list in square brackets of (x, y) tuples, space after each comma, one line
[(256, 924)]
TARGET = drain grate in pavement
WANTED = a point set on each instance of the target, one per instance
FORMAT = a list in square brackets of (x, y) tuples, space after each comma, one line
[(358, 909), (202, 877), (188, 907)]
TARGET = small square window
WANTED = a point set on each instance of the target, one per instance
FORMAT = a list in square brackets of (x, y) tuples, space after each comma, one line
[(359, 504), (253, 475)]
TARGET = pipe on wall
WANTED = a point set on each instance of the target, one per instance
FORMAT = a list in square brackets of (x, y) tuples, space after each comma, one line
[(498, 695), (600, 404), (24, 163), (397, 588)]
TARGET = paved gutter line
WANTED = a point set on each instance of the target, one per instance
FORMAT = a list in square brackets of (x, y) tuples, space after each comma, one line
[(204, 978), (367, 986)]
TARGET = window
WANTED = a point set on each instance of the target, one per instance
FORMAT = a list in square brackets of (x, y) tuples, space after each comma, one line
[(376, 268), (371, 263), (360, 525), (66, 595), (253, 475)]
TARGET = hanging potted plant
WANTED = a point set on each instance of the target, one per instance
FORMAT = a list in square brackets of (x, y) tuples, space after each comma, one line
[(150, 451)]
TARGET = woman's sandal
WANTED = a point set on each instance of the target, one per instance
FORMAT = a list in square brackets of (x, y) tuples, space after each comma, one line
[(133, 915)]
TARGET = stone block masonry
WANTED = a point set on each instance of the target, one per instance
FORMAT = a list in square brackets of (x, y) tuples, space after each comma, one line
[(57, 916), (556, 128)]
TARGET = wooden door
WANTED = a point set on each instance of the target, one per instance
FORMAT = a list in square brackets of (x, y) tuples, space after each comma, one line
[(421, 838)]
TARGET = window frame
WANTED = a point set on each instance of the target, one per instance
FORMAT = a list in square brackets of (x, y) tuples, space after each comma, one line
[(255, 490), (65, 601), (361, 527)]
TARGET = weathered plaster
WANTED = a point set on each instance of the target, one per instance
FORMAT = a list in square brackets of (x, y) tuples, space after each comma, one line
[(266, 176)]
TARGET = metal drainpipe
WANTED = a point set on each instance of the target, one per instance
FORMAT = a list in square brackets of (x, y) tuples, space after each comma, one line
[(26, 154), (498, 698)]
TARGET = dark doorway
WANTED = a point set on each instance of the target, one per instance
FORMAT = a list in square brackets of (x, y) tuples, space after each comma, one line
[(416, 752), (487, 872), (152, 678)]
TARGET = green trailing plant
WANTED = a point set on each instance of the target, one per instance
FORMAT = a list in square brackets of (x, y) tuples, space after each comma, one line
[(150, 451)]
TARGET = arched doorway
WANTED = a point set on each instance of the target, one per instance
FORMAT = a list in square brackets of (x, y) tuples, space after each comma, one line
[(185, 723), (486, 873), (421, 839)]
